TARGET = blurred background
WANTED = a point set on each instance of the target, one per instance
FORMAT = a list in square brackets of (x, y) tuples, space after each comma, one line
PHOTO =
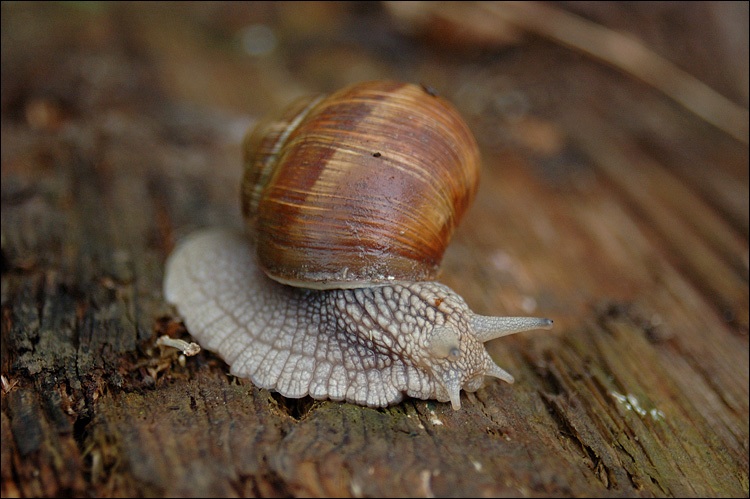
[(500, 62), (614, 199)]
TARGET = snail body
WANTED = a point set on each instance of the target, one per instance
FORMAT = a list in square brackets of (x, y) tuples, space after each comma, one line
[(349, 201)]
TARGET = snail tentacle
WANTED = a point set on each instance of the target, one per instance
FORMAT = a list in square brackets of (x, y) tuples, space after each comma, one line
[(489, 328)]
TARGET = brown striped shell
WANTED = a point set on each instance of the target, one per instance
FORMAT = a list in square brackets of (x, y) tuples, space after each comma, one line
[(363, 186)]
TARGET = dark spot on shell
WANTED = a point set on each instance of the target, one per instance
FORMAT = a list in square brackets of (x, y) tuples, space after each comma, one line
[(376, 155), (430, 90)]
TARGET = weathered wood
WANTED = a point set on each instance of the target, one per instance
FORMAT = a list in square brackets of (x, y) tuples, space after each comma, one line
[(603, 205)]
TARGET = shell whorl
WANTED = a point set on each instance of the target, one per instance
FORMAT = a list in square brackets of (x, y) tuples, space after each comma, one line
[(369, 346), (364, 186)]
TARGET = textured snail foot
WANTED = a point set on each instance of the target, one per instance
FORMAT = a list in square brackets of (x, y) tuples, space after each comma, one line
[(277, 336), (371, 346)]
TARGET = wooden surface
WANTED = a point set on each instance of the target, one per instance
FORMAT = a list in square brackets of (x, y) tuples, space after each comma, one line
[(605, 204)]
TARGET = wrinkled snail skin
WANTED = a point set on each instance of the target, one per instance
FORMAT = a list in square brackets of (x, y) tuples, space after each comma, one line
[(370, 346), (349, 202)]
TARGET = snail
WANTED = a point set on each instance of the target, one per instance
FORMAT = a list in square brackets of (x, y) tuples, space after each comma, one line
[(349, 201)]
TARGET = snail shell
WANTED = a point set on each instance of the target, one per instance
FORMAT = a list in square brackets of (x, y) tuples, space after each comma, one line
[(350, 201), (364, 186)]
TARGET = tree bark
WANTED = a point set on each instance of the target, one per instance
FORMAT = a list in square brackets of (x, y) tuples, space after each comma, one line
[(603, 205)]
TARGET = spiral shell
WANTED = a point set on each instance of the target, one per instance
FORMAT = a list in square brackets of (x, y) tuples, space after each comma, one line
[(364, 186)]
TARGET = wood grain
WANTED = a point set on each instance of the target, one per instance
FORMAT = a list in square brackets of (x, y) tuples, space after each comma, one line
[(602, 205)]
